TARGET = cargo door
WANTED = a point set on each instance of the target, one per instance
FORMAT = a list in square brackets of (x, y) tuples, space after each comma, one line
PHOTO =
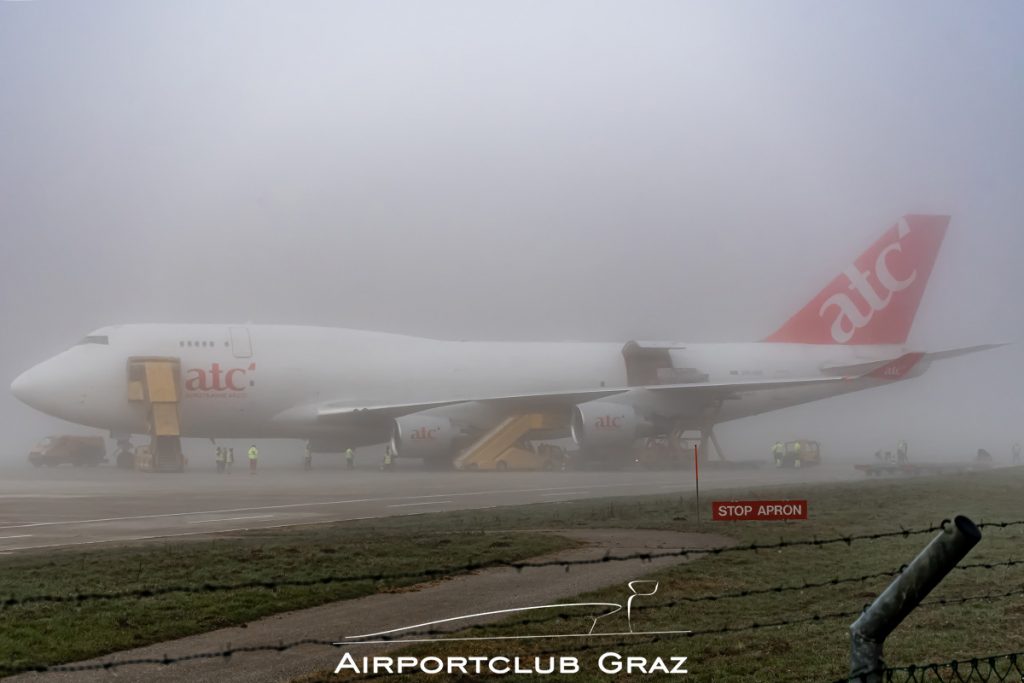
[(241, 345)]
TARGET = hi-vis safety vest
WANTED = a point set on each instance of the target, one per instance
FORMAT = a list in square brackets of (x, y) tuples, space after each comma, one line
[(777, 449), (253, 453), (221, 455)]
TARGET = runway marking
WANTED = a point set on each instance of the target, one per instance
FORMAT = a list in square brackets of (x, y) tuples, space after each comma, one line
[(429, 502), (299, 505), (228, 519), (564, 493), (183, 533), (46, 495), (181, 514), (18, 536), (285, 525)]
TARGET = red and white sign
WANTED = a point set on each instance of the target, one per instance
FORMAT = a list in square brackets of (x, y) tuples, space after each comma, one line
[(758, 510)]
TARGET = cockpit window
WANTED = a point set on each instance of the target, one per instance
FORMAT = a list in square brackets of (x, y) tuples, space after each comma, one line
[(94, 339)]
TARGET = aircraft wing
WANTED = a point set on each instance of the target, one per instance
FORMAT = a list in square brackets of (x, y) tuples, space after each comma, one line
[(553, 400)]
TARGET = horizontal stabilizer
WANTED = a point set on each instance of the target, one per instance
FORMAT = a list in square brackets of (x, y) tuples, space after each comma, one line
[(880, 367), (962, 351), (897, 369)]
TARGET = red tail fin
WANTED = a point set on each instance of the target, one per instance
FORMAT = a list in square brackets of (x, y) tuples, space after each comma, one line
[(873, 301)]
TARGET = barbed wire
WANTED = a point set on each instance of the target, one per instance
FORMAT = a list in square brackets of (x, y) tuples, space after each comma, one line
[(985, 668), (273, 584), (823, 616), (810, 585), (561, 651), (226, 653), (336, 578), (1000, 525), (980, 668), (12, 668)]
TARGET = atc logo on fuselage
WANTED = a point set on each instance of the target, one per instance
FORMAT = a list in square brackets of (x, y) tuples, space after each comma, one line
[(218, 381)]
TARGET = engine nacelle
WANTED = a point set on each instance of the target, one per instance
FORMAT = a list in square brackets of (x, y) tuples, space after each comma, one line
[(603, 424), (423, 436)]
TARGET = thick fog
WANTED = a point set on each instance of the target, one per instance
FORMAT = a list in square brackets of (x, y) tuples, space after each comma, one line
[(518, 170)]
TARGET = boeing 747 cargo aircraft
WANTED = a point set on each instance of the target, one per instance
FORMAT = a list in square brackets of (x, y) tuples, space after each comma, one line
[(431, 398)]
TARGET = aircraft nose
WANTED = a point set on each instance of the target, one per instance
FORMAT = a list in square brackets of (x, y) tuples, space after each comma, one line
[(31, 388), (21, 387)]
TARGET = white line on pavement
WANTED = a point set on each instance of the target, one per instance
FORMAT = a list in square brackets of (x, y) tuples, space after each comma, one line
[(563, 493), (429, 502), (228, 519), (299, 505)]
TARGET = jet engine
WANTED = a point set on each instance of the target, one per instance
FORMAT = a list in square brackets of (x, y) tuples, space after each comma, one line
[(423, 436), (600, 425)]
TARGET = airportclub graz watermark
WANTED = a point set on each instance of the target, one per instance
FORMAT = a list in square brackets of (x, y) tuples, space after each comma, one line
[(610, 662)]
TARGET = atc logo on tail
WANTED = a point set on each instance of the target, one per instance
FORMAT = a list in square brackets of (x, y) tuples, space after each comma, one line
[(874, 300)]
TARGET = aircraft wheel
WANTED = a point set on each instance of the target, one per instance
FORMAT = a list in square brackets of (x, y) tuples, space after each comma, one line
[(502, 466)]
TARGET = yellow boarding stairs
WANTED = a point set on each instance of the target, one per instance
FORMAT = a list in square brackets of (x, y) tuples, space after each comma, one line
[(498, 449), (154, 382)]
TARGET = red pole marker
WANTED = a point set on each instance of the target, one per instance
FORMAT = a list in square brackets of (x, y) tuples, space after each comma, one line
[(696, 478)]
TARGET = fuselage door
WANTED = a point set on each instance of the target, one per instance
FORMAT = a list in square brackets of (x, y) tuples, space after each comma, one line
[(241, 345)]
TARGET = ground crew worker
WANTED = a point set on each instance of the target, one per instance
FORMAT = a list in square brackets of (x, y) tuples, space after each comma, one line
[(307, 464), (221, 460), (901, 452), (388, 458), (888, 457), (230, 460), (1016, 453), (778, 450), (254, 456), (124, 457), (796, 454), (350, 458)]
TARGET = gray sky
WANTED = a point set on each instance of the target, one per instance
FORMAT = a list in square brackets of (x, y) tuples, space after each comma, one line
[(518, 170)]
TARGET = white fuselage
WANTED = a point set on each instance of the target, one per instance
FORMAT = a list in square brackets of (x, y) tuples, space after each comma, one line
[(271, 380)]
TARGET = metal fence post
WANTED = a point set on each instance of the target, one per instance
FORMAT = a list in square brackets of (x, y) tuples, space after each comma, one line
[(868, 633)]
